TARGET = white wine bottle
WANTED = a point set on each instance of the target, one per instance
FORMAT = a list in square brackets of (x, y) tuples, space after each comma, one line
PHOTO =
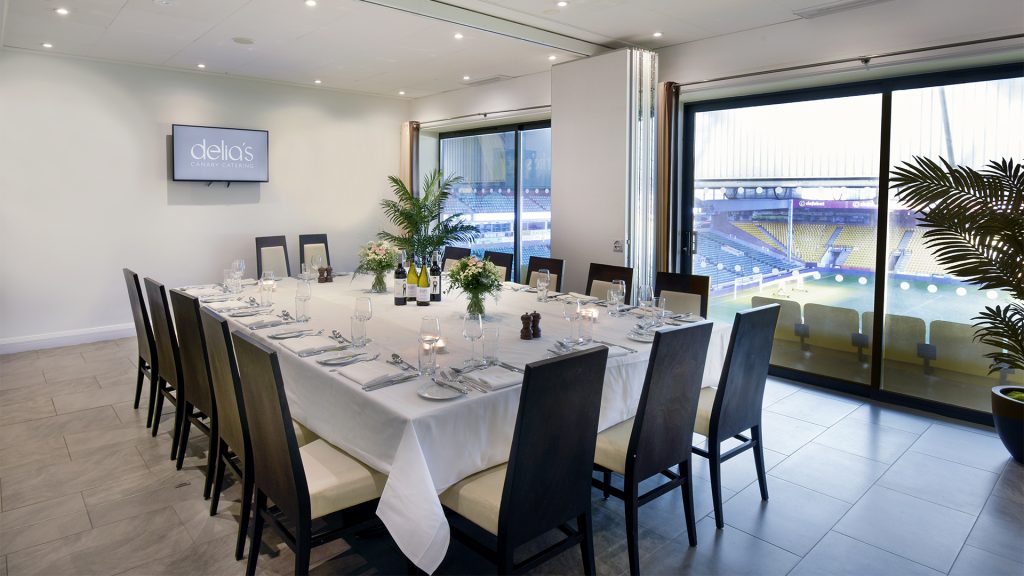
[(411, 282), (423, 285)]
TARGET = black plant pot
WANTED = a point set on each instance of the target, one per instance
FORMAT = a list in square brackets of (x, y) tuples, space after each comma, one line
[(1009, 418)]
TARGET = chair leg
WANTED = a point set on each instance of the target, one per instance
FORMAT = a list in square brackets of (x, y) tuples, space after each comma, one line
[(243, 528), (216, 485), (257, 534), (715, 464), (685, 469), (185, 427), (302, 557), (138, 385), (158, 411), (505, 560), (607, 482), (762, 478), (632, 509), (154, 379), (212, 452), (586, 527)]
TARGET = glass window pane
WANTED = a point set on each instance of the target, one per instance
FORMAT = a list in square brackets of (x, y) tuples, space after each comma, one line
[(785, 211), (535, 195), (929, 348)]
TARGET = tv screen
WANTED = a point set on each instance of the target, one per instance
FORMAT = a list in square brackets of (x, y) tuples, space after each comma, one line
[(206, 154)]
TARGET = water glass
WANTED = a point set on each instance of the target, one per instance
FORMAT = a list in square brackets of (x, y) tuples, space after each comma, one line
[(363, 308), (543, 281), (472, 330), (430, 333), (614, 302), (267, 289), (620, 288), (229, 280), (239, 267), (490, 346), (659, 309), (571, 313), (584, 329), (303, 294), (358, 332), (645, 295)]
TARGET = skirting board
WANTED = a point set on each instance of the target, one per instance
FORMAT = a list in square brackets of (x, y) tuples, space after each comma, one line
[(67, 338)]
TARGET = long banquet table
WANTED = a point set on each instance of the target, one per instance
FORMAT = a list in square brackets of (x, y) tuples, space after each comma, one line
[(423, 445)]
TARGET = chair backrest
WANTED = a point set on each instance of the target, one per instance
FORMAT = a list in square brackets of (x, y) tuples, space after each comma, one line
[(683, 284), (276, 463), (552, 457), (163, 332), (741, 389), (231, 423), (607, 273), (555, 266), (143, 330), (192, 347), (663, 427), (272, 254), (501, 260), (454, 253), (555, 280), (311, 246)]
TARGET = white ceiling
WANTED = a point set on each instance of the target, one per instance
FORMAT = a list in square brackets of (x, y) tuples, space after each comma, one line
[(361, 46)]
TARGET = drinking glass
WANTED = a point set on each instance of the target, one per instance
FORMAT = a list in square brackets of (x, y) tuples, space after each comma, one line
[(659, 309), (303, 294), (363, 308), (543, 281), (229, 283), (584, 328), (267, 288), (358, 332), (614, 301), (645, 294), (239, 267), (317, 262), (490, 346), (430, 333), (571, 313), (473, 330), (620, 288)]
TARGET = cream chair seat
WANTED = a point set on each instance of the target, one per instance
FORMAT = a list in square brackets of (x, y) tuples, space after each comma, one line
[(449, 263), (274, 260), (551, 284), (704, 406), (599, 288), (311, 251), (478, 497), (336, 480), (612, 445)]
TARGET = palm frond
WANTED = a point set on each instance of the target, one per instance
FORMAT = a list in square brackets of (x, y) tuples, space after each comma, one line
[(418, 219), (1002, 328)]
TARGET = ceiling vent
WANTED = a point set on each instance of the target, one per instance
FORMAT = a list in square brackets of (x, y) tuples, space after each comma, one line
[(490, 80), (833, 7)]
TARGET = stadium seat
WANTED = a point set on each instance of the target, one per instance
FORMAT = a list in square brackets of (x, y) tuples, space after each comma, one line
[(956, 349), (790, 323), (902, 336), (831, 326)]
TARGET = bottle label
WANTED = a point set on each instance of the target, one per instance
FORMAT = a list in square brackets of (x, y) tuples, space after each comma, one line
[(400, 290), (423, 295), (435, 285)]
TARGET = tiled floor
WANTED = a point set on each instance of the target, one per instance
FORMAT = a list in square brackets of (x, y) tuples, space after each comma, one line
[(855, 489)]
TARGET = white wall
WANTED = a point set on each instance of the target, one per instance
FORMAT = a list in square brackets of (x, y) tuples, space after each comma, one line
[(521, 92), (589, 163), (84, 185)]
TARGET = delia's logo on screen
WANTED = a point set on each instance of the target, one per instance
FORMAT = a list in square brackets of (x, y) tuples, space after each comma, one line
[(222, 154)]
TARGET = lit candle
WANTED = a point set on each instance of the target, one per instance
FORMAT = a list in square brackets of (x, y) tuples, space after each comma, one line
[(440, 346), (592, 312)]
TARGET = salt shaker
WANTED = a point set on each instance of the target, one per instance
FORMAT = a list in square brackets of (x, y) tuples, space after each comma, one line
[(526, 333), (535, 318)]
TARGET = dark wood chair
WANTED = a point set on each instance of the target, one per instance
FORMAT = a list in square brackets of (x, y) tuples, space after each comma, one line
[(232, 434), (502, 259), (658, 438), (603, 274), (147, 364), (169, 376), (311, 246), (272, 254), (735, 406), (196, 399), (678, 286), (546, 483), (553, 265), (453, 253), (282, 471)]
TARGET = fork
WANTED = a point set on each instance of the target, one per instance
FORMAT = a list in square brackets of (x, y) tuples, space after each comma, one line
[(357, 360)]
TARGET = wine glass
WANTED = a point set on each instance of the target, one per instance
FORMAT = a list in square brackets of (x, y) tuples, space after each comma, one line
[(239, 267), (303, 294), (660, 310), (430, 333), (317, 262), (364, 309), (472, 330), (645, 298), (543, 281)]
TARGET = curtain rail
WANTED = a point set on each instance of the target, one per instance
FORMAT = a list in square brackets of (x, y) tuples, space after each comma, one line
[(486, 114)]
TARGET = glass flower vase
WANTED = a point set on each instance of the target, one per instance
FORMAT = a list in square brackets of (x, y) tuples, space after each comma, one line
[(475, 304), (379, 285)]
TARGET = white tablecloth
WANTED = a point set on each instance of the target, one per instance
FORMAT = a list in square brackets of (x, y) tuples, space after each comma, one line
[(426, 446)]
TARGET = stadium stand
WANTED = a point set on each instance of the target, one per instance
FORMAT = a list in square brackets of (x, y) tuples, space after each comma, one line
[(917, 259), (860, 244), (760, 234), (811, 240)]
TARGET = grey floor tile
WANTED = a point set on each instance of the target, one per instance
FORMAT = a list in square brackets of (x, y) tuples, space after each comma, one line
[(82, 444), (963, 446), (25, 411), (726, 551), (46, 390), (56, 426), (141, 492), (3, 566), (31, 455), (840, 555), (892, 418), (975, 561), (739, 471), (1011, 483), (128, 414), (794, 518), (867, 440), (43, 522), (830, 471), (1000, 529), (13, 381), (921, 531), (940, 481), (776, 389), (786, 435), (814, 407), (57, 373), (48, 482), (109, 549), (85, 400)]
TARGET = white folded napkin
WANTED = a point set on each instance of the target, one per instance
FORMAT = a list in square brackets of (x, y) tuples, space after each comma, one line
[(249, 282), (204, 292), (250, 320), (368, 373), (613, 350), (227, 305), (583, 297), (299, 345), (495, 378)]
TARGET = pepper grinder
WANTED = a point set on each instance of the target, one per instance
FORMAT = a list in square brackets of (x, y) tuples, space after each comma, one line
[(330, 274), (321, 275), (526, 333), (535, 317)]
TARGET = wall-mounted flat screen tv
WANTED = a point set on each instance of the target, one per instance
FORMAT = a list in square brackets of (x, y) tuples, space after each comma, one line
[(207, 154)]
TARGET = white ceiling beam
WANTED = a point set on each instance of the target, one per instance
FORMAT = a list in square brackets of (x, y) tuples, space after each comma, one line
[(493, 24)]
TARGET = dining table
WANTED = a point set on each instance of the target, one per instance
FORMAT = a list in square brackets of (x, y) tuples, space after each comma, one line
[(425, 445)]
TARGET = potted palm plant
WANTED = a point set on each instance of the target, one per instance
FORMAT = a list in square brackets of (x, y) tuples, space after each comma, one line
[(974, 223), (421, 229)]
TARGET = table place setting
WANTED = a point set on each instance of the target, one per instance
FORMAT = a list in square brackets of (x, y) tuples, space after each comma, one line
[(233, 305), (614, 350), (310, 345), (492, 378)]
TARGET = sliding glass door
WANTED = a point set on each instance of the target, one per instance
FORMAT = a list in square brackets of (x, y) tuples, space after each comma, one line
[(506, 188)]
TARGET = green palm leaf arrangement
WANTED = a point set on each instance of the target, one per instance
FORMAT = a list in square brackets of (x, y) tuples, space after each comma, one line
[(974, 223), (421, 228)]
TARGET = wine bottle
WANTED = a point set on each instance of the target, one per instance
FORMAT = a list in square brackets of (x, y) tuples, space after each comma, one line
[(435, 281), (400, 285), (411, 282), (423, 287)]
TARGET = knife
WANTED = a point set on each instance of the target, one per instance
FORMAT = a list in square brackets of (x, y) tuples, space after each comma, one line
[(319, 350), (390, 382), (508, 366)]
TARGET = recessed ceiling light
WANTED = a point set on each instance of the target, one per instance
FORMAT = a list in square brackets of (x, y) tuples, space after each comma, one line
[(552, 57), (200, 65), (458, 35), (243, 40), (465, 77), (657, 34), (311, 3), (563, 4), (164, 2), (401, 92), (318, 81), (62, 11), (47, 45)]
